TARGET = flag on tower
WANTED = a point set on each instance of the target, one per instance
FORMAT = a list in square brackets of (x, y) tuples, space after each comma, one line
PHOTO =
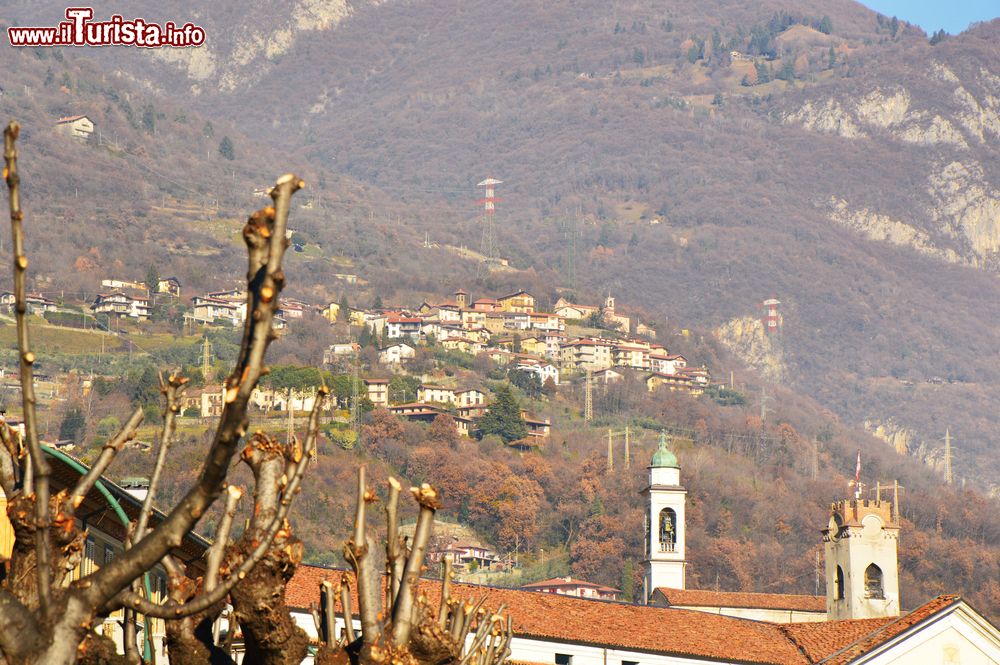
[(857, 470)]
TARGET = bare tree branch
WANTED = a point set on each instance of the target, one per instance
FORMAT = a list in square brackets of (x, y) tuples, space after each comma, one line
[(39, 466), (357, 552), (218, 548), (345, 602), (264, 234), (393, 547), (172, 389), (111, 448), (402, 615), (8, 461), (174, 610)]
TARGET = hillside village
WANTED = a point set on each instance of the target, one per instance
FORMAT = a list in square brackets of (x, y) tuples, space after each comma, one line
[(573, 344)]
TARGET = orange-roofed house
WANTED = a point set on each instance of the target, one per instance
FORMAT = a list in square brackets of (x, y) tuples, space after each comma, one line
[(567, 586), (79, 127), (561, 629)]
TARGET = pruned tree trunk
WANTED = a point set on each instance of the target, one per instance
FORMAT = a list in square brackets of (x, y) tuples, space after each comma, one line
[(45, 616), (399, 626)]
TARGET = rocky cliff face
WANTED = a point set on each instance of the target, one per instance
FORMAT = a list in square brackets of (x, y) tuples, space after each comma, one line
[(962, 221), (238, 54), (745, 337), (900, 438)]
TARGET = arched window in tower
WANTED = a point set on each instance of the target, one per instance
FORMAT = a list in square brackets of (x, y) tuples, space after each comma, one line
[(873, 582), (668, 530), (840, 584)]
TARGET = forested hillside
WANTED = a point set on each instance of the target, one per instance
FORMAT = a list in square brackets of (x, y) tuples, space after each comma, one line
[(693, 158), (759, 491), (696, 158)]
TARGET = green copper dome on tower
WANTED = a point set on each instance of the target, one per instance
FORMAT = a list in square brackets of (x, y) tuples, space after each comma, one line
[(663, 457)]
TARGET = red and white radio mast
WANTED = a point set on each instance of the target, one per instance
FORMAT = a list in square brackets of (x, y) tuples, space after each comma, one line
[(772, 317), (489, 248)]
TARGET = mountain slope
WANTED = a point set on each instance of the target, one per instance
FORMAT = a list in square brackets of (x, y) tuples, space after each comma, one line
[(863, 193)]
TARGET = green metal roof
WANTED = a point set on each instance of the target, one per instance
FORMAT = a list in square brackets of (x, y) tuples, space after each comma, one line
[(663, 457)]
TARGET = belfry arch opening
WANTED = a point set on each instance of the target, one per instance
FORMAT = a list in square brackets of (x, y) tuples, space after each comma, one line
[(839, 589), (873, 582), (668, 530)]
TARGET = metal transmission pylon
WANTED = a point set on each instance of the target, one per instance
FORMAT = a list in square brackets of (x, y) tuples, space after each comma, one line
[(206, 364), (355, 402), (588, 404), (611, 447), (489, 247), (948, 476)]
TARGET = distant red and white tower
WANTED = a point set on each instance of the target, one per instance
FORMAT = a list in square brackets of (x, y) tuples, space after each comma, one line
[(772, 317), (489, 247)]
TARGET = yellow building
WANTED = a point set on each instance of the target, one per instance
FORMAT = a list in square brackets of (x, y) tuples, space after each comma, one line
[(520, 301), (106, 513), (330, 312)]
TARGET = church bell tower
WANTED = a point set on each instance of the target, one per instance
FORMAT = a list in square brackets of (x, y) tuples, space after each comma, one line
[(862, 576), (664, 561)]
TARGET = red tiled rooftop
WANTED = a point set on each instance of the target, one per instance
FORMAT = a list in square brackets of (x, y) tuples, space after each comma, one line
[(771, 601), (667, 630), (819, 639), (892, 629), (568, 581), (601, 623)]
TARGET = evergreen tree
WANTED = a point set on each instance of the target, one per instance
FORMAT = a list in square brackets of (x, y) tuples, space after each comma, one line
[(787, 70), (152, 278), (762, 74), (149, 119), (226, 149), (504, 417), (628, 581), (208, 131), (528, 382), (366, 338), (72, 424), (832, 58), (825, 25), (377, 304)]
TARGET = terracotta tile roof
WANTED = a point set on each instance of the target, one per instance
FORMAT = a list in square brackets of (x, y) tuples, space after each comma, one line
[(770, 601), (817, 640), (602, 623), (890, 630), (567, 581)]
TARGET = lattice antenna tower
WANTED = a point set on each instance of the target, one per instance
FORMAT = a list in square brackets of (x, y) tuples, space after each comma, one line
[(355, 402), (206, 360), (948, 476), (489, 247), (588, 404)]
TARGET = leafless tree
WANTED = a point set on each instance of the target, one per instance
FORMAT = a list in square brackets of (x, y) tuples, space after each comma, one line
[(47, 616), (398, 624)]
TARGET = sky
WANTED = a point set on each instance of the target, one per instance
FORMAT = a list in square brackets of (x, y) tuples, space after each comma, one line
[(931, 15)]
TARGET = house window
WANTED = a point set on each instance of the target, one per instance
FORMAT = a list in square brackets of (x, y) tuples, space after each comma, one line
[(89, 557), (873, 582), (109, 554), (630, 662), (564, 659), (840, 584)]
